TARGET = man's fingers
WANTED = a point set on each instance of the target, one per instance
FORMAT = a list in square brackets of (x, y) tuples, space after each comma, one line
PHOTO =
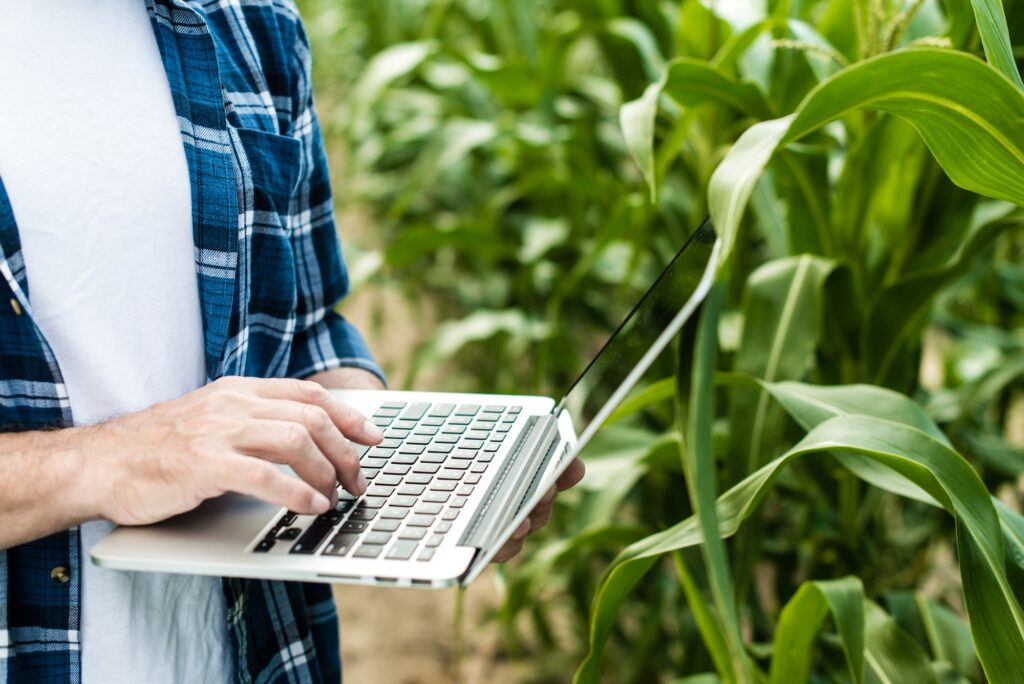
[(287, 442), (350, 421), (258, 478), (508, 551), (572, 475), (539, 518), (334, 445)]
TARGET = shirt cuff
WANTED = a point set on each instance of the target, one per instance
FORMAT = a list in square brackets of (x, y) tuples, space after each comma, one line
[(332, 342)]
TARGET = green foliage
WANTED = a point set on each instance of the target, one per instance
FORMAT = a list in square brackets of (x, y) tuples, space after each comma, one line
[(777, 504)]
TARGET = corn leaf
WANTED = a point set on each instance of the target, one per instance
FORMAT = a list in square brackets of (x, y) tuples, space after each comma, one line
[(996, 616), (696, 408), (801, 619), (969, 115), (995, 37), (689, 82)]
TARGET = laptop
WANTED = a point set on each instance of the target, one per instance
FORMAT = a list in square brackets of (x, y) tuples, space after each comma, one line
[(454, 477)]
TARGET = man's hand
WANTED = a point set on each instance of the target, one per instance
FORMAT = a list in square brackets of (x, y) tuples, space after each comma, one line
[(542, 513), (227, 436)]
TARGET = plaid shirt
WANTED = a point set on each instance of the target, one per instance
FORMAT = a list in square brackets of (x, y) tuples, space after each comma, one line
[(269, 271)]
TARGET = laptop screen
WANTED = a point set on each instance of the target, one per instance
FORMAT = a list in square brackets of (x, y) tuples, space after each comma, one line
[(642, 336)]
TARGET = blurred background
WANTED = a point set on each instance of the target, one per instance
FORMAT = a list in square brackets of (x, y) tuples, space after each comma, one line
[(497, 224)]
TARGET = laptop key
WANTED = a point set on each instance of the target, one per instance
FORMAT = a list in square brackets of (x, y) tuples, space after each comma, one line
[(443, 410), (411, 449), (440, 448), (376, 490), (464, 454), (426, 554), (421, 521), (363, 514), (450, 514), (386, 525), (341, 544), (402, 549), (442, 527), (425, 431), (435, 540), (443, 486), (479, 466), (388, 480), (405, 459), (429, 509), (370, 473), (458, 502), (287, 519), (449, 474), (432, 421), (368, 551), (377, 538), (471, 444), (393, 405), (466, 490), (446, 439), (416, 533), (437, 497), (403, 501), (418, 438), (419, 478), (396, 433), (467, 410), (377, 452), (490, 448), (430, 468), (504, 427), (494, 408), (396, 469), (471, 478), (458, 464), (498, 437), (373, 501), (453, 429), (515, 409), (394, 513), (385, 413), (332, 516), (431, 457), (460, 420), (264, 546), (353, 526), (370, 462), (416, 410), (411, 490), (484, 426), (390, 444), (312, 537), (476, 434), (382, 421)]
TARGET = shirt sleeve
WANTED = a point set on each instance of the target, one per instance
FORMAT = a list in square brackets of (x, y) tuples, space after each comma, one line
[(323, 338)]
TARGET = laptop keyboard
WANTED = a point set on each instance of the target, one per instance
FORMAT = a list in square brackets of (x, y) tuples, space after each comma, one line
[(420, 478)]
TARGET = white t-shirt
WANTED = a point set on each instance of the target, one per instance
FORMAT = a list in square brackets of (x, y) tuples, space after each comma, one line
[(93, 163)]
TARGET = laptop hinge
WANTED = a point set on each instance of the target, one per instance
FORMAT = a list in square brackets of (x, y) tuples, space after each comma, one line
[(515, 482)]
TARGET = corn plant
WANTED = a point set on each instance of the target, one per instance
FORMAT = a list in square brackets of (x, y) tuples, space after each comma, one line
[(776, 502)]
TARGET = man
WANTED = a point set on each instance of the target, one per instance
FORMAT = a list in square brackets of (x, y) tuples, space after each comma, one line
[(140, 278)]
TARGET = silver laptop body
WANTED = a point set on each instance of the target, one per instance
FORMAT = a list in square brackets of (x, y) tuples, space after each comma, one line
[(456, 474)]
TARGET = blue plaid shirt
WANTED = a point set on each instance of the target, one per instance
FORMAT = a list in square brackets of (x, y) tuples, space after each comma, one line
[(270, 273)]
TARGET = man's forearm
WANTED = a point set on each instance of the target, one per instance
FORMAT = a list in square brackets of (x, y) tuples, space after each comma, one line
[(44, 484)]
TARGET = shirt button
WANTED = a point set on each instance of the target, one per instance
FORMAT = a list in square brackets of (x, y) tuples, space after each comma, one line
[(15, 306), (60, 574)]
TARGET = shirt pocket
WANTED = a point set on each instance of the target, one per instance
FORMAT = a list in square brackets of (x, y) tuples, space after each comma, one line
[(270, 169)]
